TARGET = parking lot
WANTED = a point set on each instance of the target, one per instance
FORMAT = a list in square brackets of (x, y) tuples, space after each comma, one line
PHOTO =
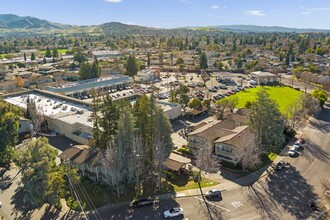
[(217, 86)]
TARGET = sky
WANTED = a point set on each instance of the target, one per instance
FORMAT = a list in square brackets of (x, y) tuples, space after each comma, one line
[(176, 13)]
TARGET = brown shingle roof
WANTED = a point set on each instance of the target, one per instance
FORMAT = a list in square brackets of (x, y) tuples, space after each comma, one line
[(69, 153), (215, 130), (80, 154), (240, 138)]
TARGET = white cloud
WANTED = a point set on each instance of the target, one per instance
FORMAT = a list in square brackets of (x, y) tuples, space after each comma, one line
[(319, 9), (305, 13), (186, 1), (113, 1), (254, 13), (215, 7)]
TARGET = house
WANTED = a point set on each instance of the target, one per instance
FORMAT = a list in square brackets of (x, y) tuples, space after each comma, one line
[(176, 162), (8, 86), (205, 136), (240, 117), (225, 146), (70, 76), (44, 79), (88, 161), (221, 138)]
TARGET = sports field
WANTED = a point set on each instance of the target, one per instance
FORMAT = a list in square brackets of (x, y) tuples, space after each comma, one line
[(282, 95)]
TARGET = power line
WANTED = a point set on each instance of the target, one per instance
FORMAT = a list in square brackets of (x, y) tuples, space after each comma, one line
[(89, 201), (75, 191)]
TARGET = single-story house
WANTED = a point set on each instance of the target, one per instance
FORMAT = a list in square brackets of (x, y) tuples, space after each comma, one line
[(263, 77)]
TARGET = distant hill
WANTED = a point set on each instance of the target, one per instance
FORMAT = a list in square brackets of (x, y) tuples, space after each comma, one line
[(11, 24), (10, 21), (117, 27), (259, 29)]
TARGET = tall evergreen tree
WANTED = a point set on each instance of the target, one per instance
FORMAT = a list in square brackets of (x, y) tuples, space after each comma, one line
[(267, 122), (33, 56), (203, 61), (48, 53), (55, 52), (131, 65), (148, 61), (108, 122)]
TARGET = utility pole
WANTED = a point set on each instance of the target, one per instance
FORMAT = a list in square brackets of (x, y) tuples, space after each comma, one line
[(199, 184)]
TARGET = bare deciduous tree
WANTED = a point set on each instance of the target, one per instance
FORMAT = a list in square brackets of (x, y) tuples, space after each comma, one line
[(220, 107), (232, 103), (293, 114), (248, 155), (310, 104)]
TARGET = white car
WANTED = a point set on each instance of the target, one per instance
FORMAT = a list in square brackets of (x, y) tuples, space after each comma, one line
[(173, 212), (293, 150)]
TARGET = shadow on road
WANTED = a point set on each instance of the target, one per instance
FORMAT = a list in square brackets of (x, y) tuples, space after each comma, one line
[(20, 211), (315, 151), (322, 120), (286, 188)]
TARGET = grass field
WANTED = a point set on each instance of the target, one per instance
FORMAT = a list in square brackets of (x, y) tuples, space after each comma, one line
[(282, 95), (60, 51)]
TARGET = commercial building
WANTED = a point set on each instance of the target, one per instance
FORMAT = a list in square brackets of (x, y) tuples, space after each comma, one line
[(68, 116), (84, 86), (72, 119), (263, 77), (106, 53)]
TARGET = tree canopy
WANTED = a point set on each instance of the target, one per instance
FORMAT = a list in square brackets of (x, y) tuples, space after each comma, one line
[(89, 71), (43, 181), (267, 122), (9, 123), (131, 65), (203, 61)]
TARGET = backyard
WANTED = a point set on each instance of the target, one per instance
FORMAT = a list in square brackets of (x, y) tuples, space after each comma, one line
[(282, 95)]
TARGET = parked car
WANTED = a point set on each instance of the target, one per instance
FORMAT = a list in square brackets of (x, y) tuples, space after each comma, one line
[(223, 87), (213, 193), (141, 202), (173, 212), (292, 151), (280, 165)]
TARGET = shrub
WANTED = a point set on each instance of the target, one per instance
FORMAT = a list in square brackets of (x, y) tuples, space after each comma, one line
[(96, 190), (248, 104), (169, 175), (185, 150)]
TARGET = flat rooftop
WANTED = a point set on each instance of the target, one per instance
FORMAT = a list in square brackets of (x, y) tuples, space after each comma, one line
[(55, 108), (89, 83)]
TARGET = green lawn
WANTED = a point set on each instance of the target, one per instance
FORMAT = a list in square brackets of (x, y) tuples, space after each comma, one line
[(60, 51), (282, 95)]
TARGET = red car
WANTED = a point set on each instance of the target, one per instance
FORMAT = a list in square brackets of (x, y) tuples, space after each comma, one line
[(230, 93)]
